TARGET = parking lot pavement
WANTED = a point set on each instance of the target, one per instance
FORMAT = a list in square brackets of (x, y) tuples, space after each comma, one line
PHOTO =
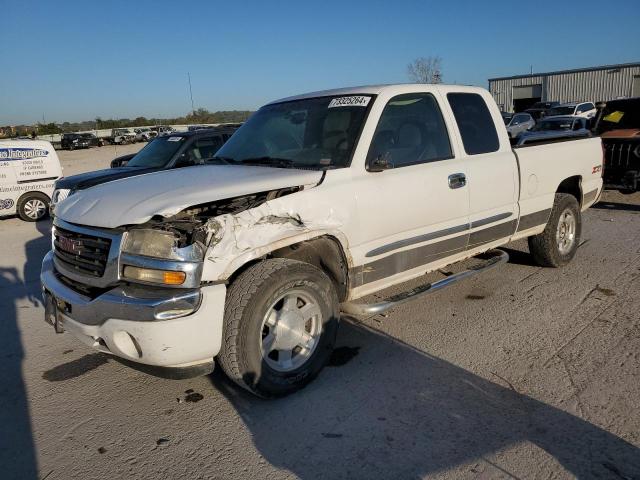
[(523, 372)]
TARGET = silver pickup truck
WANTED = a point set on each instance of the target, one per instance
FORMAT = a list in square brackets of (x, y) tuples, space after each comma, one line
[(315, 202)]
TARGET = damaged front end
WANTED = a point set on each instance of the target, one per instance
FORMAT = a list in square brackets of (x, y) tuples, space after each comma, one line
[(116, 288), (170, 251)]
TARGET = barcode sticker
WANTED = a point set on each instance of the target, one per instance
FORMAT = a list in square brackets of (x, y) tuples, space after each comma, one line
[(355, 101)]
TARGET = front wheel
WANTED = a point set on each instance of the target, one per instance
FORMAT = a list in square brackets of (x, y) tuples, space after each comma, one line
[(280, 326), (557, 244)]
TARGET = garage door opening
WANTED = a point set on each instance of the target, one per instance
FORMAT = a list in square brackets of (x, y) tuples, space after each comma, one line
[(525, 96)]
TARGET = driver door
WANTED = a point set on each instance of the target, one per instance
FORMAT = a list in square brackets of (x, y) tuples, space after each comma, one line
[(413, 211)]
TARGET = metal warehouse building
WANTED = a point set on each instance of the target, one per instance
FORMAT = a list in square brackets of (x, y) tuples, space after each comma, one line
[(517, 93)]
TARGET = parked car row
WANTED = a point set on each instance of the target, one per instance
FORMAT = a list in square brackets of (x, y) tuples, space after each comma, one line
[(118, 136), (547, 120), (616, 122)]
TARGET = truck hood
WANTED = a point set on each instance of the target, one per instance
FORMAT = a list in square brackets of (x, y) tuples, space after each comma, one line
[(135, 200), (90, 179)]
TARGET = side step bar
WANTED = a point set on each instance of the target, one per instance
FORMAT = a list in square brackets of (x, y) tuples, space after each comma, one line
[(495, 258)]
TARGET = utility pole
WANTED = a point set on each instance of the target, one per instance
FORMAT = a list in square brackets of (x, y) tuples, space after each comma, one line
[(193, 110)]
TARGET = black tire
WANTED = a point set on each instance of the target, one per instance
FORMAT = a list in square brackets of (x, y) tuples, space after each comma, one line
[(26, 203), (249, 298), (552, 247), (70, 147)]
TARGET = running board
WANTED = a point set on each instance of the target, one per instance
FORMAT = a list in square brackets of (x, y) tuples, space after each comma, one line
[(495, 258)]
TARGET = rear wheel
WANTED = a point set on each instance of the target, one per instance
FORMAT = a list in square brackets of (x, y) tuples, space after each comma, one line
[(280, 326), (557, 244), (33, 206)]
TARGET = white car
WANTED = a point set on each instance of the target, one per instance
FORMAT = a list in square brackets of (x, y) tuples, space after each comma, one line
[(144, 134), (28, 171), (584, 110), (520, 122), (315, 202)]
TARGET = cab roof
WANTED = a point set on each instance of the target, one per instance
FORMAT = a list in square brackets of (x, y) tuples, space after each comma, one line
[(391, 89)]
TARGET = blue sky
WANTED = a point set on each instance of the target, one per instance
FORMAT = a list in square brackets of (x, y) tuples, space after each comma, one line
[(78, 60)]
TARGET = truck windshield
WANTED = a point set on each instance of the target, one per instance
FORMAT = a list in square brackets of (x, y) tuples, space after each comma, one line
[(317, 133), (620, 115), (157, 153)]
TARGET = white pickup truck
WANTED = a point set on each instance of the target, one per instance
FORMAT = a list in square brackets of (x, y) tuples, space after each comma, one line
[(315, 202)]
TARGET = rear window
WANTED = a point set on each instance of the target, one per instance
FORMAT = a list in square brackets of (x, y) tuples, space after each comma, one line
[(474, 122)]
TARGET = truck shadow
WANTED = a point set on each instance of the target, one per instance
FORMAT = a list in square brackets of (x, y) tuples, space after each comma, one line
[(624, 207), (396, 412), (520, 257), (18, 290)]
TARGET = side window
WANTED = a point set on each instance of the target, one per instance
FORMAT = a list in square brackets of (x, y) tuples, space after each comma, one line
[(199, 151), (585, 107), (474, 122), (411, 130), (208, 146)]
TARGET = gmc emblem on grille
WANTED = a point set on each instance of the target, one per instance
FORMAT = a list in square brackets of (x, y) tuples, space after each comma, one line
[(69, 245)]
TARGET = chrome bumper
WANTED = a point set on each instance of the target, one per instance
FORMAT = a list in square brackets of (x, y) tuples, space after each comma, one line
[(137, 303)]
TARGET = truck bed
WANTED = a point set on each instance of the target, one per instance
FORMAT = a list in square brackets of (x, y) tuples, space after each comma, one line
[(543, 167)]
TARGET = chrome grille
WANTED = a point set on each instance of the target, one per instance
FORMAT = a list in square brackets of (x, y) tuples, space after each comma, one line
[(82, 253)]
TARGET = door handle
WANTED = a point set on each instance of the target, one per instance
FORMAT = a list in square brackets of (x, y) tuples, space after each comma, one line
[(457, 180)]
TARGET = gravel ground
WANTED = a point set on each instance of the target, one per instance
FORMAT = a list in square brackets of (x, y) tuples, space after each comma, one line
[(523, 372)]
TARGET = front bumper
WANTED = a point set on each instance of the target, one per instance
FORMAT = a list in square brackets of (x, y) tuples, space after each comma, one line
[(159, 327)]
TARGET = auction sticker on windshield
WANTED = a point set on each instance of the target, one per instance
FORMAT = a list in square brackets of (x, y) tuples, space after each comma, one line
[(174, 139), (357, 101)]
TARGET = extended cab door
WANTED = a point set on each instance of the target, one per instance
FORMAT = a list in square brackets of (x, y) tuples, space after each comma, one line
[(492, 172), (413, 199)]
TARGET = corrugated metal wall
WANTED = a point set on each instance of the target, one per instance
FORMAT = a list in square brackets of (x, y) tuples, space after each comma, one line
[(590, 85)]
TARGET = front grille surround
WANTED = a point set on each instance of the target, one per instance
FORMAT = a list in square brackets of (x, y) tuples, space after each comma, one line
[(90, 253), (93, 259)]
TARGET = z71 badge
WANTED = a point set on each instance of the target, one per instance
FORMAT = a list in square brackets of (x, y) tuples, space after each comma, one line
[(596, 169)]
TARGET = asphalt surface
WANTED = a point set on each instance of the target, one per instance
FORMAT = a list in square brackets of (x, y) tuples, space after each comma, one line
[(523, 372)]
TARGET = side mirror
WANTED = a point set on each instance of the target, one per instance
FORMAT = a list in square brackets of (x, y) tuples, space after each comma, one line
[(381, 163)]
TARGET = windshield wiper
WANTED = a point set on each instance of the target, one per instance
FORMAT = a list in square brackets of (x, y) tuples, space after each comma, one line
[(224, 160), (266, 160)]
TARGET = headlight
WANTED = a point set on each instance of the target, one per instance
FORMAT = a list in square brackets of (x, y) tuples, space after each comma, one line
[(160, 244)]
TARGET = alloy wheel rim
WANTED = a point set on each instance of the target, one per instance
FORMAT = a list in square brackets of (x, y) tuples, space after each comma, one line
[(35, 208), (291, 330), (566, 232)]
